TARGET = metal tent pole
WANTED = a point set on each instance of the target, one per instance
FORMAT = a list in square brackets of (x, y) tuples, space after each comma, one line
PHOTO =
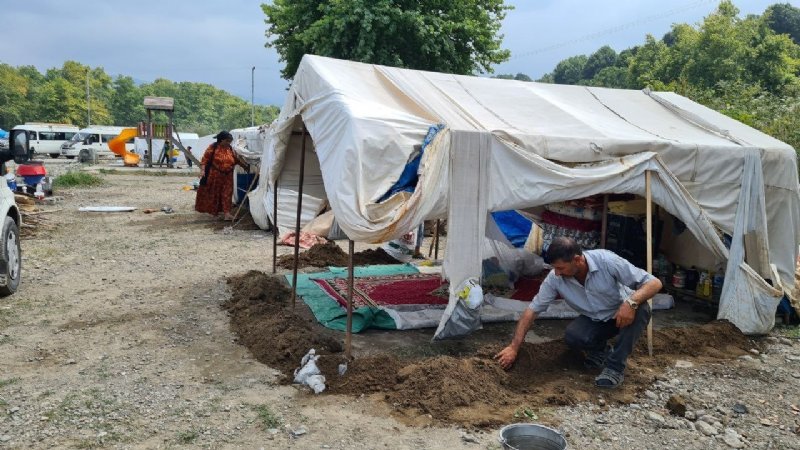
[(275, 225), (349, 336), (604, 223), (649, 224), (297, 223)]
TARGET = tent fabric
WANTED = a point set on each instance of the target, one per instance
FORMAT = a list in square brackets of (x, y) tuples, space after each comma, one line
[(513, 145)]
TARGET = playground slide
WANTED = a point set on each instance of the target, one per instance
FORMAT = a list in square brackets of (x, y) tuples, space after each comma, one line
[(117, 145)]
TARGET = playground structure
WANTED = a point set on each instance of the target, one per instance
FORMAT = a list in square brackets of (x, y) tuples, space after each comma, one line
[(117, 145), (147, 130)]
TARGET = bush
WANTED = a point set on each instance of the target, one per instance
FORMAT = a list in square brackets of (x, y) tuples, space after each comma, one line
[(76, 179)]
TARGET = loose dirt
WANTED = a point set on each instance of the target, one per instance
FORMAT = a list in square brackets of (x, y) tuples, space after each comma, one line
[(465, 390), (330, 254)]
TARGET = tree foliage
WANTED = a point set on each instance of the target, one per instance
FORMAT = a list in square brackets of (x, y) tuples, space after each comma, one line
[(747, 68), (59, 95), (454, 36)]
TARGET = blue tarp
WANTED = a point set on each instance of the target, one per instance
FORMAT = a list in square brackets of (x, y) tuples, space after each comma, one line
[(408, 179), (514, 226), (3, 133)]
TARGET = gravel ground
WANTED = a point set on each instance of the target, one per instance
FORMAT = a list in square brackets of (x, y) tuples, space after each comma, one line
[(116, 340)]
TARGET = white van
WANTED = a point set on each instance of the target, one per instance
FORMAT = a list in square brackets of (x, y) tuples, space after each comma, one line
[(47, 138), (94, 138)]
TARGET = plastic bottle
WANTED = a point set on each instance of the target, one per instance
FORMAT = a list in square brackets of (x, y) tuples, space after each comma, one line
[(39, 194), (698, 290), (679, 278), (11, 180), (708, 285)]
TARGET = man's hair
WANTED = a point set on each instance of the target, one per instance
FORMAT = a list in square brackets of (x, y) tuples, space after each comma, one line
[(562, 249)]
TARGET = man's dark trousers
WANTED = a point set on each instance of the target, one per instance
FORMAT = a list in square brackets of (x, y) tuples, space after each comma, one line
[(590, 335)]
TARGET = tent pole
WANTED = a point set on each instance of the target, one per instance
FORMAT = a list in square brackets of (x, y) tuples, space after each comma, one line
[(649, 224), (604, 223), (349, 336), (275, 226), (299, 211), (436, 240)]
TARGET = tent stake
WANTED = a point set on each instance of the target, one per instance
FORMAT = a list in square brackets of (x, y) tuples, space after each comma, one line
[(649, 221), (299, 211), (275, 226), (349, 336), (604, 223)]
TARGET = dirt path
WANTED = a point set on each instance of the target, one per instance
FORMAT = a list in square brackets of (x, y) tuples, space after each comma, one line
[(117, 338)]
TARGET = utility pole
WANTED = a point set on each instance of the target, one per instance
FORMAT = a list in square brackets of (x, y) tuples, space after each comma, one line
[(252, 97), (88, 105)]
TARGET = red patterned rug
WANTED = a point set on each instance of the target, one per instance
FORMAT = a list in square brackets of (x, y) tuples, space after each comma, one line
[(412, 289)]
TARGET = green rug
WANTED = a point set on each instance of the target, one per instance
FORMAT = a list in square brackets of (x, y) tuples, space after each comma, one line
[(330, 314)]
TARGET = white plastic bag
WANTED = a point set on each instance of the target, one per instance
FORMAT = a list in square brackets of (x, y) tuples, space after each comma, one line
[(309, 374), (471, 293)]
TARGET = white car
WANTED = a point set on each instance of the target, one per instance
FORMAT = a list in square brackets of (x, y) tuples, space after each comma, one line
[(10, 252)]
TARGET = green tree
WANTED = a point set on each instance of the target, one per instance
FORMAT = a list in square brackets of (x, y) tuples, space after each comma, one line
[(127, 102), (604, 57), (784, 18), (454, 36), (518, 77), (570, 70), (13, 97)]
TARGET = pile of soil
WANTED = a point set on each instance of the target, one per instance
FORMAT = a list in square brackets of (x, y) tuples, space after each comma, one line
[(466, 390), (330, 254), (263, 319)]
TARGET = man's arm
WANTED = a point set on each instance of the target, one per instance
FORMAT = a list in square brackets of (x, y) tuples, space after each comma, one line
[(647, 286), (508, 355)]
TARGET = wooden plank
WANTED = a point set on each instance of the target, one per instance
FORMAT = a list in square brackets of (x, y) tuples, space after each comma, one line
[(159, 103)]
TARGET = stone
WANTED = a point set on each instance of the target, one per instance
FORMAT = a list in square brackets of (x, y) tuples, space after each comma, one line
[(299, 432), (466, 437), (747, 358), (682, 364), (656, 418), (676, 405), (755, 352), (793, 358), (651, 395), (786, 341), (706, 428), (690, 415), (796, 374), (732, 438), (5, 438), (740, 408)]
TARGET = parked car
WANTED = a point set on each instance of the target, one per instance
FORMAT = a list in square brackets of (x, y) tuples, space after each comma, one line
[(19, 151), (47, 138)]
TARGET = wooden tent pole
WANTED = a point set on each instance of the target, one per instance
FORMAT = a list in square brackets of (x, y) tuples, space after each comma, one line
[(349, 336), (436, 240), (649, 224), (604, 222), (299, 211), (275, 226)]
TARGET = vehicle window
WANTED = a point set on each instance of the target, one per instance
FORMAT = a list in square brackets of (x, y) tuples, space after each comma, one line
[(68, 136), (92, 139), (32, 135), (108, 137), (47, 135)]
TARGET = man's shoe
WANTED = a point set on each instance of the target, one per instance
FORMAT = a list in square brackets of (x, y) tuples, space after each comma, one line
[(609, 379)]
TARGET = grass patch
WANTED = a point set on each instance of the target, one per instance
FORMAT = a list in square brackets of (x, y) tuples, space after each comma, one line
[(152, 173), (8, 382), (188, 437), (76, 179), (267, 417), (789, 331)]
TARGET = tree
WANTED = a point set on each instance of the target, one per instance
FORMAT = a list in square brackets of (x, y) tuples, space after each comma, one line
[(784, 18), (518, 77), (570, 70), (13, 97), (604, 57), (127, 102), (453, 36)]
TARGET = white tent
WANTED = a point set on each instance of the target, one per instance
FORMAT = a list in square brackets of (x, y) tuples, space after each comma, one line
[(514, 145)]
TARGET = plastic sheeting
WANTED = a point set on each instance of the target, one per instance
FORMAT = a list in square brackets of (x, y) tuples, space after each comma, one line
[(513, 145)]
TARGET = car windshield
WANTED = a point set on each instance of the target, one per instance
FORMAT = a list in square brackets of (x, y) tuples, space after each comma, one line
[(79, 137)]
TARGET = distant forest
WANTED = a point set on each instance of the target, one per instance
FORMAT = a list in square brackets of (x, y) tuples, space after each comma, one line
[(745, 67), (59, 95)]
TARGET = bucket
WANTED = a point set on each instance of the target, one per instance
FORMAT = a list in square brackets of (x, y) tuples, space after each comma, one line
[(531, 436)]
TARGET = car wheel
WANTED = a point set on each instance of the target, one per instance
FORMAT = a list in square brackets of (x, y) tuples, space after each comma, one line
[(10, 257), (54, 155), (70, 157)]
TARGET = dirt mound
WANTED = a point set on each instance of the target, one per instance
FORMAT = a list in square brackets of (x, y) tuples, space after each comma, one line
[(265, 322), (467, 390), (330, 254)]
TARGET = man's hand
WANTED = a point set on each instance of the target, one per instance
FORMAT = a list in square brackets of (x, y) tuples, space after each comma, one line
[(625, 315), (506, 357)]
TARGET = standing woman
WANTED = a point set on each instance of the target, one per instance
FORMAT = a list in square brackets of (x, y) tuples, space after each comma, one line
[(216, 193)]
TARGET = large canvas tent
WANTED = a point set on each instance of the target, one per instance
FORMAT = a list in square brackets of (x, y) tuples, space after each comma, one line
[(507, 144)]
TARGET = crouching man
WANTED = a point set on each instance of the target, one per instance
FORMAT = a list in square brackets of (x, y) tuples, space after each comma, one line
[(589, 281)]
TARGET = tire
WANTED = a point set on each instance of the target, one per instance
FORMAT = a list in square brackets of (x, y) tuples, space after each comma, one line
[(70, 157), (55, 155), (10, 257)]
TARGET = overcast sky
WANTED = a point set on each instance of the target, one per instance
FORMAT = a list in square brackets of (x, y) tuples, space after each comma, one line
[(217, 42)]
